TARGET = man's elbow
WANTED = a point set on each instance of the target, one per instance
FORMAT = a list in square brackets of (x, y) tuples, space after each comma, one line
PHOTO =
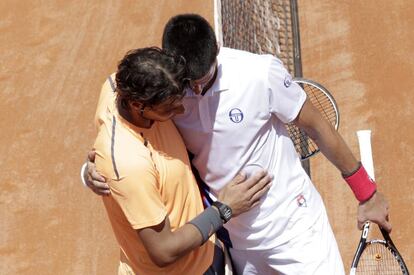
[(162, 259)]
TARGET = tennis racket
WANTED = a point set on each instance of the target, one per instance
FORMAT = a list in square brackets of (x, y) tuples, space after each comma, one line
[(325, 103), (375, 256)]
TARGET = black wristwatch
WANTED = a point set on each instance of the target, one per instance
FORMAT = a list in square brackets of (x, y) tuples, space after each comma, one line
[(224, 210)]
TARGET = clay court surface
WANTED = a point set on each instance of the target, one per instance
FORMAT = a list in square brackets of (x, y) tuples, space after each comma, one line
[(56, 54)]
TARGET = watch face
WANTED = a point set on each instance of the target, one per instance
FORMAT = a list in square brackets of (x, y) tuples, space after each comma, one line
[(227, 213)]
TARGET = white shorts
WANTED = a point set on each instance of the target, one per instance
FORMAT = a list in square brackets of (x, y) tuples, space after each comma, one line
[(313, 252)]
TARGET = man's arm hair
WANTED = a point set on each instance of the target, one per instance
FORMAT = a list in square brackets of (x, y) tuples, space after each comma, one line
[(326, 137), (165, 246)]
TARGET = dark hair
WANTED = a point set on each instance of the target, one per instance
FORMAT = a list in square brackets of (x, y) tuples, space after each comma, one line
[(191, 36), (150, 76)]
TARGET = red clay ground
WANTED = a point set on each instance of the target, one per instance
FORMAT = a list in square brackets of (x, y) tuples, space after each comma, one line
[(56, 54)]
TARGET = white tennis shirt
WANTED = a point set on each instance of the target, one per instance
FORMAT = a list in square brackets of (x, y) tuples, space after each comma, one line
[(240, 122)]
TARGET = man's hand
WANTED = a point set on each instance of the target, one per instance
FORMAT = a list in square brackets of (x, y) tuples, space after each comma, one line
[(93, 180), (243, 194), (374, 210)]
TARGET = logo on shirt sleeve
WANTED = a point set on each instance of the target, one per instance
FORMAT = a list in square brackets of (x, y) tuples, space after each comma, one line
[(236, 115), (288, 80)]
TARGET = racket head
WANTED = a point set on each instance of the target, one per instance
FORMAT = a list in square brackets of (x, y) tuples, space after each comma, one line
[(379, 257), (395, 252), (322, 99)]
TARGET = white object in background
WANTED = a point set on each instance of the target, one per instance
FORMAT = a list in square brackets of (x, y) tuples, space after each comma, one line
[(365, 150), (82, 172)]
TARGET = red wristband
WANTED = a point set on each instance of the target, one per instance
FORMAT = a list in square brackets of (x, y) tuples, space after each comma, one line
[(361, 184)]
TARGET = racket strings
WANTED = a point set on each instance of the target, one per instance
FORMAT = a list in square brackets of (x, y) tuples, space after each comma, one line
[(322, 102), (378, 259), (305, 146)]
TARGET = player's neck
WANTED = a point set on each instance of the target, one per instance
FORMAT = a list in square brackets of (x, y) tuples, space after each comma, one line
[(208, 85), (133, 117)]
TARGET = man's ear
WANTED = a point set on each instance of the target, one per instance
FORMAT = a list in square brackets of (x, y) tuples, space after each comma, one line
[(136, 106)]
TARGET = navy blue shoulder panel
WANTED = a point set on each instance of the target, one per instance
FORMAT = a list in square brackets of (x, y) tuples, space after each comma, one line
[(113, 147)]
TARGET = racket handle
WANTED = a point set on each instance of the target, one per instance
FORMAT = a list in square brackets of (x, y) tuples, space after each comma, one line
[(365, 150)]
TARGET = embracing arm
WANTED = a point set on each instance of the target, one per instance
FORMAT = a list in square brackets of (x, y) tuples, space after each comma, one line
[(332, 145), (91, 178), (165, 246)]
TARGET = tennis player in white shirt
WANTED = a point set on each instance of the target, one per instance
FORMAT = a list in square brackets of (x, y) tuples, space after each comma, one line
[(236, 105)]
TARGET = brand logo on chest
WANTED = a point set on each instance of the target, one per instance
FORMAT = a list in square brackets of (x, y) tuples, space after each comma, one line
[(301, 201), (236, 115)]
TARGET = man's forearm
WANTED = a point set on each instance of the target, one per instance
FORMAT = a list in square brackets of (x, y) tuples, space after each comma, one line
[(337, 151), (326, 137), (333, 147), (186, 239), (165, 247)]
